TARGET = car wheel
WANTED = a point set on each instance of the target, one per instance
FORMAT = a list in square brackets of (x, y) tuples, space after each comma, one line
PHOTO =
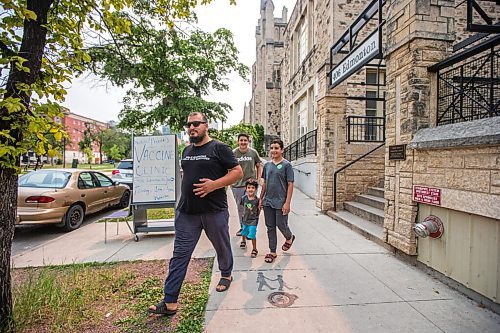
[(125, 200), (73, 218)]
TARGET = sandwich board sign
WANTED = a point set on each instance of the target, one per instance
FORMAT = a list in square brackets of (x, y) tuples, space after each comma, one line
[(156, 181), (155, 166)]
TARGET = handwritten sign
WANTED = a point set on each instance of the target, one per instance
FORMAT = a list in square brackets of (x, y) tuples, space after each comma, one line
[(427, 195), (155, 159)]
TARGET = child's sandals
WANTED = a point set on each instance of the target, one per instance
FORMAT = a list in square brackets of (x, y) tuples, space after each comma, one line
[(243, 245), (254, 253)]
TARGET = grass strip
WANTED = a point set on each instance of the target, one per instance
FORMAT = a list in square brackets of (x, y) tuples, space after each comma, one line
[(194, 300), (59, 297), (153, 214), (104, 296), (100, 296), (190, 317)]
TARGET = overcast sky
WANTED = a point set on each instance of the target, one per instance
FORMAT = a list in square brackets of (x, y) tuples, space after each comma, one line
[(102, 101)]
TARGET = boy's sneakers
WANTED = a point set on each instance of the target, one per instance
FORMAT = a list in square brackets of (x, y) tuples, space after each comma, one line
[(238, 233)]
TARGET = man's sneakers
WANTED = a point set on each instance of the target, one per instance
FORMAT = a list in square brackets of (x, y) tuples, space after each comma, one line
[(239, 232)]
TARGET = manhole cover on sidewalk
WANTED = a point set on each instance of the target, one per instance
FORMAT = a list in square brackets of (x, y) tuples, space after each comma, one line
[(281, 299)]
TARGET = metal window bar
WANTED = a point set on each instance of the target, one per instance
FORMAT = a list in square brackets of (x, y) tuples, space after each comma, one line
[(365, 129), (306, 145), (470, 90)]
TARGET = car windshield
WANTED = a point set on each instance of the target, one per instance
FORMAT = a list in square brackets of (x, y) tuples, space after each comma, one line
[(127, 165), (45, 178)]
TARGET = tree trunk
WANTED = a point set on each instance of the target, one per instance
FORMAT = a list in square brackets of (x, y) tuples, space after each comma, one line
[(32, 48), (8, 204)]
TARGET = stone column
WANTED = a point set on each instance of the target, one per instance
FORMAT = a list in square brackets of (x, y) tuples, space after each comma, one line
[(331, 134), (419, 34)]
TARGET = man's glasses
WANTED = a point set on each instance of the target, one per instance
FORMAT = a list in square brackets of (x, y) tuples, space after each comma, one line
[(194, 123)]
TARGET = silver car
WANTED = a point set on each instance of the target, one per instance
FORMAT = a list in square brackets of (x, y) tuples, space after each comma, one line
[(124, 172)]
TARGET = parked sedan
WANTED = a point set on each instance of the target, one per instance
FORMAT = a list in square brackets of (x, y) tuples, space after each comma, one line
[(64, 196)]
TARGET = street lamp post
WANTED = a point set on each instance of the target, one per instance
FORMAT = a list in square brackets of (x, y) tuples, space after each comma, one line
[(64, 152)]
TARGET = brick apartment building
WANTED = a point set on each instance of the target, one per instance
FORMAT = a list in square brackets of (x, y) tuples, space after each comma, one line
[(75, 126)]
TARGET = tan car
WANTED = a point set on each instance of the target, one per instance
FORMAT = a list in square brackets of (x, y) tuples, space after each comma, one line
[(64, 196)]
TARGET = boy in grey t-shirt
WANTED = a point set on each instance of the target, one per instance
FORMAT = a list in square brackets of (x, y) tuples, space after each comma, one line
[(250, 204), (276, 196)]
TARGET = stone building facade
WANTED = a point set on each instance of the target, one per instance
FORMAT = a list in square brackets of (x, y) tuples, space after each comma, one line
[(308, 104), (264, 105), (461, 160)]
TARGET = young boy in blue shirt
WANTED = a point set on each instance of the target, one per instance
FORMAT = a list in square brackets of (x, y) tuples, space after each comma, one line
[(250, 217)]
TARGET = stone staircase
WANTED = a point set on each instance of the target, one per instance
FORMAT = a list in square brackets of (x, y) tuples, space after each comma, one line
[(365, 215)]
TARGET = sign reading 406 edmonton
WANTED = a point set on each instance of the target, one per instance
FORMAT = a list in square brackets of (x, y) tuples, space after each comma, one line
[(355, 60)]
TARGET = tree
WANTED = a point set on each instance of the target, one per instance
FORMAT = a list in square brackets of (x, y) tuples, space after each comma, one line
[(42, 47), (259, 139), (230, 135), (89, 153), (111, 138), (88, 139), (115, 153), (171, 70)]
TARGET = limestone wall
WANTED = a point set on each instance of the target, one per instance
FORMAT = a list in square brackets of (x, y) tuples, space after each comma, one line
[(266, 79), (469, 178), (419, 34)]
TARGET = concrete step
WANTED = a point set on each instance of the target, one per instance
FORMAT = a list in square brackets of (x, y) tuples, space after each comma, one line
[(370, 230), (366, 212), (371, 200), (376, 191)]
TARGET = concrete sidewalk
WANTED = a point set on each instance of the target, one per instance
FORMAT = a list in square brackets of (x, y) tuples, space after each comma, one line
[(334, 280), (87, 245)]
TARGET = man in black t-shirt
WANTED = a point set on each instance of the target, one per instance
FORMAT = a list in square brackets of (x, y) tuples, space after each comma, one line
[(208, 166)]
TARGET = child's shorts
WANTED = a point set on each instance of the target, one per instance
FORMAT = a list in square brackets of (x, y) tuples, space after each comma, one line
[(249, 231)]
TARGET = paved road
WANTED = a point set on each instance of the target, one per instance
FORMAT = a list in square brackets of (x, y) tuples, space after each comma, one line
[(29, 237)]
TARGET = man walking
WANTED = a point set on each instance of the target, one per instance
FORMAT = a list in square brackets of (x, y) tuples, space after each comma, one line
[(208, 166), (251, 165)]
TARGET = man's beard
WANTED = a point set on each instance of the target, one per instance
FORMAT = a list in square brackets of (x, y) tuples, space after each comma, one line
[(197, 139)]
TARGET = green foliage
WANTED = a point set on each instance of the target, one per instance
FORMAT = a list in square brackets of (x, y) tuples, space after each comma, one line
[(180, 148), (88, 151), (88, 138), (34, 71), (115, 153), (171, 71), (230, 135), (116, 144)]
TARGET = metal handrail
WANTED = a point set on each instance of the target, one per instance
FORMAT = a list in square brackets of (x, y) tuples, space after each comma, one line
[(345, 167), (299, 147)]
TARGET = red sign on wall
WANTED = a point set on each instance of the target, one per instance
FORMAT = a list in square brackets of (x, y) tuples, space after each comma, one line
[(427, 195)]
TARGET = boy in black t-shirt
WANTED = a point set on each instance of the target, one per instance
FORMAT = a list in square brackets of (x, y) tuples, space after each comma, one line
[(208, 166), (250, 217)]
